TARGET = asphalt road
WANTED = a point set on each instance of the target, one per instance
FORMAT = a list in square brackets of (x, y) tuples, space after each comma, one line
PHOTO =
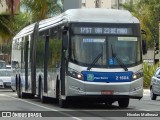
[(26, 107)]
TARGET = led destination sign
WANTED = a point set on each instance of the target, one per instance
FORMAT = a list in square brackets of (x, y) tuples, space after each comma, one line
[(102, 30)]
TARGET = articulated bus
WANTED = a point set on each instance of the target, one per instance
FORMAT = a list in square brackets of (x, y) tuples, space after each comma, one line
[(92, 55)]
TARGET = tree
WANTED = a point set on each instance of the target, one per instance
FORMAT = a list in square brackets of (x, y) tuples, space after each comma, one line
[(147, 11), (41, 9), (5, 22), (5, 31)]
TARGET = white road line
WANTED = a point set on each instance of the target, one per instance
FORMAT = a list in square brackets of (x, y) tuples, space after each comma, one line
[(144, 110), (41, 106), (2, 95)]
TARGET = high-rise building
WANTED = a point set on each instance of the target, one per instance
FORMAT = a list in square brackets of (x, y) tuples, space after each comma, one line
[(96, 3), (102, 3), (5, 7)]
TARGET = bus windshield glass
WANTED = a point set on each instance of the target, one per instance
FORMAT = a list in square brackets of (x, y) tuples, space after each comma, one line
[(85, 49)]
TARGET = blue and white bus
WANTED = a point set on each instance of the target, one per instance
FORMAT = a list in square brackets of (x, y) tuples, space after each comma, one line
[(90, 55)]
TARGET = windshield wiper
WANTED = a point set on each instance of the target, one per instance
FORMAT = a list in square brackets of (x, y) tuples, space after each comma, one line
[(119, 60), (94, 61)]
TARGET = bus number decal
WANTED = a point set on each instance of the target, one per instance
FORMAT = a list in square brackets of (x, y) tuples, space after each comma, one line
[(122, 78)]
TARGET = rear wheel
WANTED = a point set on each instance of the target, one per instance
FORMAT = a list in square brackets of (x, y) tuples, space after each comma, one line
[(42, 98), (123, 103), (152, 95), (19, 90)]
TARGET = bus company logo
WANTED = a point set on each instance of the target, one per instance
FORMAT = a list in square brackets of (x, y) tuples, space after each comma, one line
[(90, 77), (6, 114)]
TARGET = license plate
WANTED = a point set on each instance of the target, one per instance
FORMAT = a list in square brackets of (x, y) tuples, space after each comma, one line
[(107, 92)]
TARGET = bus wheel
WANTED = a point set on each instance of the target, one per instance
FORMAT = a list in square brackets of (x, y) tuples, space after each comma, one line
[(108, 103), (42, 98), (63, 103), (19, 88), (123, 103), (152, 95)]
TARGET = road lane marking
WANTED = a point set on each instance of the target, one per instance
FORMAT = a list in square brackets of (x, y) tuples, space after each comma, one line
[(2, 95), (42, 106)]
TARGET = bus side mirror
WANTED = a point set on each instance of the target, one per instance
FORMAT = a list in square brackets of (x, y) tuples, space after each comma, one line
[(64, 38), (144, 47)]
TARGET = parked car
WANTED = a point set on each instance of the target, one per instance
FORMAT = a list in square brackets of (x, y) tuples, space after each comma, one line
[(8, 66), (155, 85), (5, 78)]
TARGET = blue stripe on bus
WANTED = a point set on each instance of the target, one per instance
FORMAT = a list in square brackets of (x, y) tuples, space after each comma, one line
[(91, 76)]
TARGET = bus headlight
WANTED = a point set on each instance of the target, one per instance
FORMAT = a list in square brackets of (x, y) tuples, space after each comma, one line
[(137, 75), (75, 74)]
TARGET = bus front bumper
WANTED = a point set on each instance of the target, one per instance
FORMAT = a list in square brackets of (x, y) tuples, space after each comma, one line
[(78, 88)]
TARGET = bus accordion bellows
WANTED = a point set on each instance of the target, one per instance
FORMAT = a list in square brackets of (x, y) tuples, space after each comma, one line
[(85, 55)]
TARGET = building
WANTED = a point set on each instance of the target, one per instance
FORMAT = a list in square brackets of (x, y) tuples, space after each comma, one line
[(110, 4), (96, 3), (102, 3), (5, 7)]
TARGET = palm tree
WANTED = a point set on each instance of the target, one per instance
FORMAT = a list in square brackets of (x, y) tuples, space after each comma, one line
[(5, 20), (41, 9), (5, 31)]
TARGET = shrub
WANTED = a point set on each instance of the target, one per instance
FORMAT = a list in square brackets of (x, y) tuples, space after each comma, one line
[(148, 71)]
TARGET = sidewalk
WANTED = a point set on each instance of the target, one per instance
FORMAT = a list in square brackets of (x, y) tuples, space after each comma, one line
[(146, 91)]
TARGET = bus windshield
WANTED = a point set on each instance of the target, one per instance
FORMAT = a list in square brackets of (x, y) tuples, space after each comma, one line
[(85, 49)]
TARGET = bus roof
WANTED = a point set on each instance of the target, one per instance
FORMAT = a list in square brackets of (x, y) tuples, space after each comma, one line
[(96, 15), (100, 15), (25, 31)]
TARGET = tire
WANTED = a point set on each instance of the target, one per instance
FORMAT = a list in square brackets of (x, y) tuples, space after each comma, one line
[(57, 89), (123, 103), (108, 103), (152, 95), (19, 88), (63, 103), (43, 99)]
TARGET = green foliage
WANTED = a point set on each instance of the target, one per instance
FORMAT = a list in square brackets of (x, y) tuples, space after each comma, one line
[(40, 9), (148, 71), (147, 11), (9, 26), (5, 31)]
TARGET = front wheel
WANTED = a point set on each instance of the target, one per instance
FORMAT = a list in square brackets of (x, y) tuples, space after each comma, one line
[(123, 103), (152, 95), (42, 98), (63, 103), (19, 88)]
